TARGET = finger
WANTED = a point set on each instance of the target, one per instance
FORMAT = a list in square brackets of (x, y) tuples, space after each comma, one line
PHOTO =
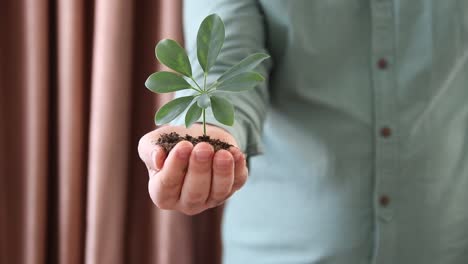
[(147, 151), (144, 150), (223, 177), (166, 185), (240, 171), (196, 186), (240, 178), (158, 156)]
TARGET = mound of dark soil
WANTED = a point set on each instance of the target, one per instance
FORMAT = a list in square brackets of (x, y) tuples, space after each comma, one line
[(168, 141)]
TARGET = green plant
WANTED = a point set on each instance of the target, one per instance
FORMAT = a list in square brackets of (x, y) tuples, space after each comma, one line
[(240, 77)]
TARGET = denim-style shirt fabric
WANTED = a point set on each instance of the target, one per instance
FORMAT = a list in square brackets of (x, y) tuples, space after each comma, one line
[(358, 141)]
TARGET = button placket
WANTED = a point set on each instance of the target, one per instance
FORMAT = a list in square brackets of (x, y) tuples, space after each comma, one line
[(386, 139)]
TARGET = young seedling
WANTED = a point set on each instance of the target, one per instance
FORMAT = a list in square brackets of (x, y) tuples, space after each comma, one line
[(240, 77)]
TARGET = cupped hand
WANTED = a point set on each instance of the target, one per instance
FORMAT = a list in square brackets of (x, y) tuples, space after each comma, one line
[(191, 179)]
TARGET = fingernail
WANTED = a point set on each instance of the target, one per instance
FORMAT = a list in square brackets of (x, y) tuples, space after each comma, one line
[(202, 155), (184, 153), (223, 162)]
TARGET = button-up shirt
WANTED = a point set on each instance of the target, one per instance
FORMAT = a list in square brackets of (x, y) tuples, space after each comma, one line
[(358, 141)]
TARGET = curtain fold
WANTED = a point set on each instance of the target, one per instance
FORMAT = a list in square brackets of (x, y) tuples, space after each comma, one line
[(12, 140), (72, 108), (73, 80), (109, 130), (36, 124)]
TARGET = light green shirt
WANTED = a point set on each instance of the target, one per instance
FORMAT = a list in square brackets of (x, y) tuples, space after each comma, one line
[(362, 128)]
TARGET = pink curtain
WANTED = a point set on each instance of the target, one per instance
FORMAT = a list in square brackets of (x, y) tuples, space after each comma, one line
[(72, 109)]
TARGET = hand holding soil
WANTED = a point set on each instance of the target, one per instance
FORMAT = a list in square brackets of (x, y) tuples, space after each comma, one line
[(189, 178), (194, 169)]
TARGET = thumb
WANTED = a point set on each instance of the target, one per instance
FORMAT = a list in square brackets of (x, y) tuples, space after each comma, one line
[(152, 155)]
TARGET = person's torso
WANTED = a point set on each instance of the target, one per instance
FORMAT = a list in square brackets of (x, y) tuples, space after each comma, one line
[(366, 142)]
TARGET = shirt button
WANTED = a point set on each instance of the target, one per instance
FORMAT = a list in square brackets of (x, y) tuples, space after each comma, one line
[(384, 200), (382, 64), (385, 132)]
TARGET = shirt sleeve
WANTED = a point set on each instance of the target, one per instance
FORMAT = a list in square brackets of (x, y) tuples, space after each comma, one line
[(245, 34)]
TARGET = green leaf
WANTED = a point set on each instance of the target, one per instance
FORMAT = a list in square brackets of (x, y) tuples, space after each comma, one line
[(245, 65), (171, 54), (193, 114), (171, 110), (223, 110), (241, 82), (210, 39), (166, 82)]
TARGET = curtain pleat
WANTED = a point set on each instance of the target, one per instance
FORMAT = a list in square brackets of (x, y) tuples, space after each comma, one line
[(141, 226), (109, 132), (72, 108), (12, 132), (72, 83), (36, 120)]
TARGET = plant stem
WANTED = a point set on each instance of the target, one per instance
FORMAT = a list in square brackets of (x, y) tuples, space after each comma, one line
[(204, 123), (213, 86), (203, 111), (193, 88), (196, 83), (204, 82)]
